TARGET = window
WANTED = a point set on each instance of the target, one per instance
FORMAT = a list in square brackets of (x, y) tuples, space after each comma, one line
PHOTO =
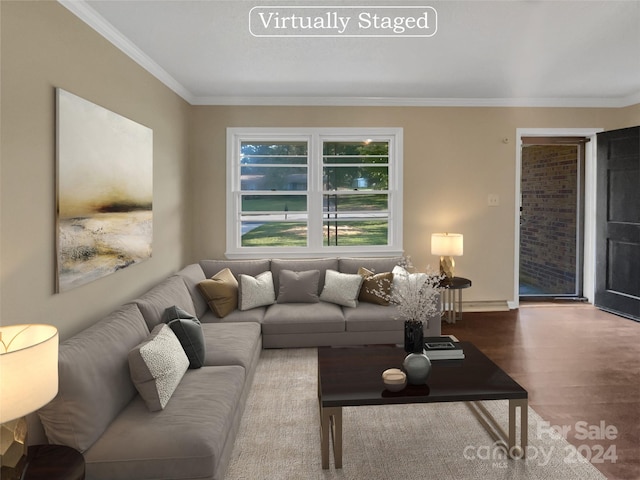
[(301, 192)]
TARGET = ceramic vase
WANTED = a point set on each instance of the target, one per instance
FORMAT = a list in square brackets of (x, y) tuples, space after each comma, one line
[(418, 367), (413, 336)]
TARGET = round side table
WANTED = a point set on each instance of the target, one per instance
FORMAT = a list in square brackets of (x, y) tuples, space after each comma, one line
[(54, 462), (452, 307)]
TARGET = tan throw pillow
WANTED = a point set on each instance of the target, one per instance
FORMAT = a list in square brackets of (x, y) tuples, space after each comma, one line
[(221, 292), (157, 365), (376, 287)]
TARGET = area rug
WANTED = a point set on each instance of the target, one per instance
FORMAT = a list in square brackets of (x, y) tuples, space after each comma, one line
[(279, 437)]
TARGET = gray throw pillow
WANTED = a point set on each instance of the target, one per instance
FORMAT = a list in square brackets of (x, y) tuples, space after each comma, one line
[(299, 287), (189, 332)]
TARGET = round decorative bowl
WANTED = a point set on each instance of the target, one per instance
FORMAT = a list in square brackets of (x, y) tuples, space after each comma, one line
[(394, 379)]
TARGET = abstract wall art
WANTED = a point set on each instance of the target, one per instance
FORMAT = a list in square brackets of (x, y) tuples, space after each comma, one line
[(104, 191)]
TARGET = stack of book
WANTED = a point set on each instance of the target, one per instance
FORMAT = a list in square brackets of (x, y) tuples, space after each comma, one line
[(446, 347)]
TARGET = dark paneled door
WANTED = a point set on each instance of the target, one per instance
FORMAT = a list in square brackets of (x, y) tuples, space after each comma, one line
[(618, 223)]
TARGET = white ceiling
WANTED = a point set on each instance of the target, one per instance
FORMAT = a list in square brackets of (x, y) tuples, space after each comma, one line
[(528, 53)]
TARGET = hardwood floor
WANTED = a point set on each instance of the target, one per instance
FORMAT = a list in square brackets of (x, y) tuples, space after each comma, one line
[(581, 367)]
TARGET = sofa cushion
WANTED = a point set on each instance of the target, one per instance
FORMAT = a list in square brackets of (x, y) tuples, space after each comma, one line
[(302, 265), (157, 366), (93, 378), (341, 288), (232, 344), (369, 317), (221, 292), (172, 291), (287, 318), (255, 291), (376, 265), (298, 287), (237, 316), (192, 276), (189, 332), (237, 267), (185, 440), (376, 287)]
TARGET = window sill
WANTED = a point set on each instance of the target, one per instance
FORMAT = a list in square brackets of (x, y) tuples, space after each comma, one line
[(255, 253)]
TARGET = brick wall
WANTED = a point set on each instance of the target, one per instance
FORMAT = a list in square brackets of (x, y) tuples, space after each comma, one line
[(548, 226)]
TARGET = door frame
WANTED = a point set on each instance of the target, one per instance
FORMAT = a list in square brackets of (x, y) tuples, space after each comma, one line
[(590, 159)]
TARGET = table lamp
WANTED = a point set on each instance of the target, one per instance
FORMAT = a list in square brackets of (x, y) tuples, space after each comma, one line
[(28, 380), (447, 245)]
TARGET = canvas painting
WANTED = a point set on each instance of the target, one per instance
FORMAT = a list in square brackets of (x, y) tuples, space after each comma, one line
[(105, 191)]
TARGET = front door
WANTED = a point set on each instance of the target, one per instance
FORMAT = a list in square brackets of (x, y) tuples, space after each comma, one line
[(618, 223)]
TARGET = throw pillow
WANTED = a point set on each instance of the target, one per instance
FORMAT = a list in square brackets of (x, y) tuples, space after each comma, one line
[(401, 279), (299, 287), (157, 365), (256, 291), (376, 287), (189, 332), (341, 288), (221, 292)]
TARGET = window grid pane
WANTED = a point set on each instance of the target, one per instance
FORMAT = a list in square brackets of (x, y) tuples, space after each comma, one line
[(274, 178), (279, 160), (355, 178), (357, 160), (355, 203), (274, 234), (273, 203), (355, 232), (361, 147)]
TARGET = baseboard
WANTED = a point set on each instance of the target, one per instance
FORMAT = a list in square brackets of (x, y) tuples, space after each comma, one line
[(486, 306)]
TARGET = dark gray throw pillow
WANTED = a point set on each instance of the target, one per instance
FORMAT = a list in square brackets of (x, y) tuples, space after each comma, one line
[(189, 331)]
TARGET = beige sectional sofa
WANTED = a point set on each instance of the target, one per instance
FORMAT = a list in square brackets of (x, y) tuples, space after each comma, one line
[(100, 411)]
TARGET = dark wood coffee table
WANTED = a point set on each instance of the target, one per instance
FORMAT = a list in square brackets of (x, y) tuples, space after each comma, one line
[(352, 376)]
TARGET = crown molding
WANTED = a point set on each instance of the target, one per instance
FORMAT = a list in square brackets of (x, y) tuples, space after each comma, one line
[(420, 102), (92, 18), (631, 100)]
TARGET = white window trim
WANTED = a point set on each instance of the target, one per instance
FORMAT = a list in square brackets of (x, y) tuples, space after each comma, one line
[(315, 249)]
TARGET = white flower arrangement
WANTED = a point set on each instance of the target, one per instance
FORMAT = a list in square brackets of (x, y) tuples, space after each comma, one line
[(416, 294)]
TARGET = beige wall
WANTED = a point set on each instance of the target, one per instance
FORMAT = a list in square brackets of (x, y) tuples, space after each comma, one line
[(629, 116), (45, 46), (453, 158)]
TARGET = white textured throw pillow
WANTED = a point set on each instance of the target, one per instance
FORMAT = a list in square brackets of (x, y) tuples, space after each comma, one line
[(401, 279), (341, 288), (255, 291), (157, 365)]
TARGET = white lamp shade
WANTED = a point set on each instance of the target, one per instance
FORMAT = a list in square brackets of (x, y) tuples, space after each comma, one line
[(446, 244), (28, 369)]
